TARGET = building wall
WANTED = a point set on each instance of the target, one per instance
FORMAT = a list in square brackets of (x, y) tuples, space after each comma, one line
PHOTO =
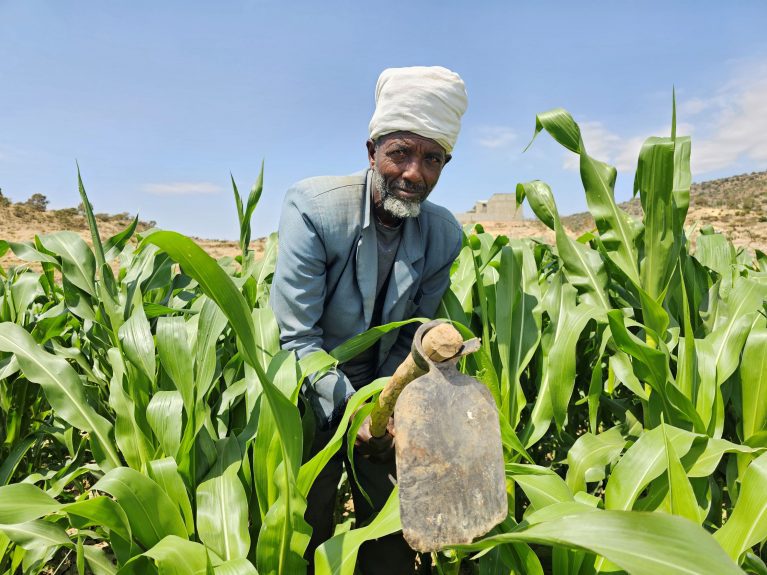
[(499, 208)]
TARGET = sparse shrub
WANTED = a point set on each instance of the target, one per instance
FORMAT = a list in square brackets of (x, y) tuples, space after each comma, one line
[(38, 202), (3, 200)]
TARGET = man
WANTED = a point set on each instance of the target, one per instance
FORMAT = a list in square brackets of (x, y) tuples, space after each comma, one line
[(365, 250)]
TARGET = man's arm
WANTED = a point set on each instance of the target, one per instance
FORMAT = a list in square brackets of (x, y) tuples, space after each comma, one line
[(298, 300)]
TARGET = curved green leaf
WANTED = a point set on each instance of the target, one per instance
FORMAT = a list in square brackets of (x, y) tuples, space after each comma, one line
[(63, 389), (151, 513)]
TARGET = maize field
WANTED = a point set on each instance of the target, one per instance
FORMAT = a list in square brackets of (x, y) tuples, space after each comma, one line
[(151, 423)]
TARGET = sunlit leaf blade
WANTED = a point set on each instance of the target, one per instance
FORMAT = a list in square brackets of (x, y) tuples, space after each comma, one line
[(748, 524), (753, 383), (643, 462), (151, 513), (77, 261), (590, 455), (338, 555), (222, 505), (88, 208), (37, 534), (22, 502), (639, 543), (681, 497), (171, 556), (62, 387)]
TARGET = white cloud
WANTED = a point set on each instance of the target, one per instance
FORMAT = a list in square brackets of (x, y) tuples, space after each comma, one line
[(693, 107), (729, 126), (600, 143), (182, 188), (737, 126), (496, 137)]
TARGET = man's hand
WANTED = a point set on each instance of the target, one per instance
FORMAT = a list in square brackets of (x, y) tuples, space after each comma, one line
[(375, 449)]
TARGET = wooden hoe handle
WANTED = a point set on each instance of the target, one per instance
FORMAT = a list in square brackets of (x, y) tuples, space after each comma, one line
[(440, 343)]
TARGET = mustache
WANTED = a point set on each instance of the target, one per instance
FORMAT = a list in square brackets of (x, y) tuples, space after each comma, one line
[(407, 186)]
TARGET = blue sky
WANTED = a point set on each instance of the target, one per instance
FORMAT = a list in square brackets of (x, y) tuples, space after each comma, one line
[(160, 101)]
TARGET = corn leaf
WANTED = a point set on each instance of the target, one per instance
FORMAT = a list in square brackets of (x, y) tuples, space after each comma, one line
[(748, 524), (338, 555), (639, 543), (222, 505), (151, 513), (63, 389)]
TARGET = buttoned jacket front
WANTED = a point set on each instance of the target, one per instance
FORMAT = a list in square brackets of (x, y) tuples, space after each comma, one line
[(323, 291)]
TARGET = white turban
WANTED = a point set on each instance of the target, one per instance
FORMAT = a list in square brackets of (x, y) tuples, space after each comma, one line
[(428, 101)]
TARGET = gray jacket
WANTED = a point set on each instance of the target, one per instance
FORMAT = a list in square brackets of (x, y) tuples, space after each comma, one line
[(324, 286)]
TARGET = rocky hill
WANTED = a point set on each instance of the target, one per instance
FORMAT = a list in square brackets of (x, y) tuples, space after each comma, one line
[(20, 222), (736, 206)]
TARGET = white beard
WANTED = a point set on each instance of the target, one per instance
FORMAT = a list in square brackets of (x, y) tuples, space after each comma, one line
[(393, 205)]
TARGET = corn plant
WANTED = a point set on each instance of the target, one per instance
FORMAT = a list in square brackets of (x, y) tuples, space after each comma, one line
[(151, 423)]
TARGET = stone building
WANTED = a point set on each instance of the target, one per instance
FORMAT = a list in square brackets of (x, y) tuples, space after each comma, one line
[(499, 208)]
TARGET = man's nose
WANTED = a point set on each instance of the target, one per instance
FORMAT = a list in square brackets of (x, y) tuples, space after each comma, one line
[(414, 171)]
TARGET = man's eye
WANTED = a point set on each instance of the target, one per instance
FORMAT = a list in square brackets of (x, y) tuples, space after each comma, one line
[(434, 160), (397, 154)]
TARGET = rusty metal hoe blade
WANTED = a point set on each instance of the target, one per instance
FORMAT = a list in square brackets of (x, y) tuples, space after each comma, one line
[(450, 465)]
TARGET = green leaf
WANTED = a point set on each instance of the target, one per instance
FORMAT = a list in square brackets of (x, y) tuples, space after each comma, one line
[(63, 390), (747, 526), (37, 534), (643, 462), (639, 543), (235, 567), (176, 357), (655, 180), (590, 455), (681, 497), (222, 505), (558, 380), (27, 252), (171, 556), (151, 513), (99, 511), (165, 414), (165, 473), (95, 238), (98, 561), (115, 245), (77, 262), (541, 201), (753, 383), (561, 126), (210, 326), (338, 555), (22, 502), (137, 342), (542, 486), (311, 469), (218, 286), (359, 343), (129, 434)]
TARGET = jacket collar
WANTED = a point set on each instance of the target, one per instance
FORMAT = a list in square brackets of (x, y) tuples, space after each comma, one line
[(403, 274)]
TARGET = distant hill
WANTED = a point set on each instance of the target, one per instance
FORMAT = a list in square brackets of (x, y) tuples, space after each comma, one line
[(736, 206), (20, 222), (731, 205)]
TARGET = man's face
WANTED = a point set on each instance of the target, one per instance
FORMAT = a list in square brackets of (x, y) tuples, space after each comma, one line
[(406, 168)]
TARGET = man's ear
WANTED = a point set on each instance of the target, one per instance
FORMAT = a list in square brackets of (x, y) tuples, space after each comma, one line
[(371, 146), (448, 157)]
